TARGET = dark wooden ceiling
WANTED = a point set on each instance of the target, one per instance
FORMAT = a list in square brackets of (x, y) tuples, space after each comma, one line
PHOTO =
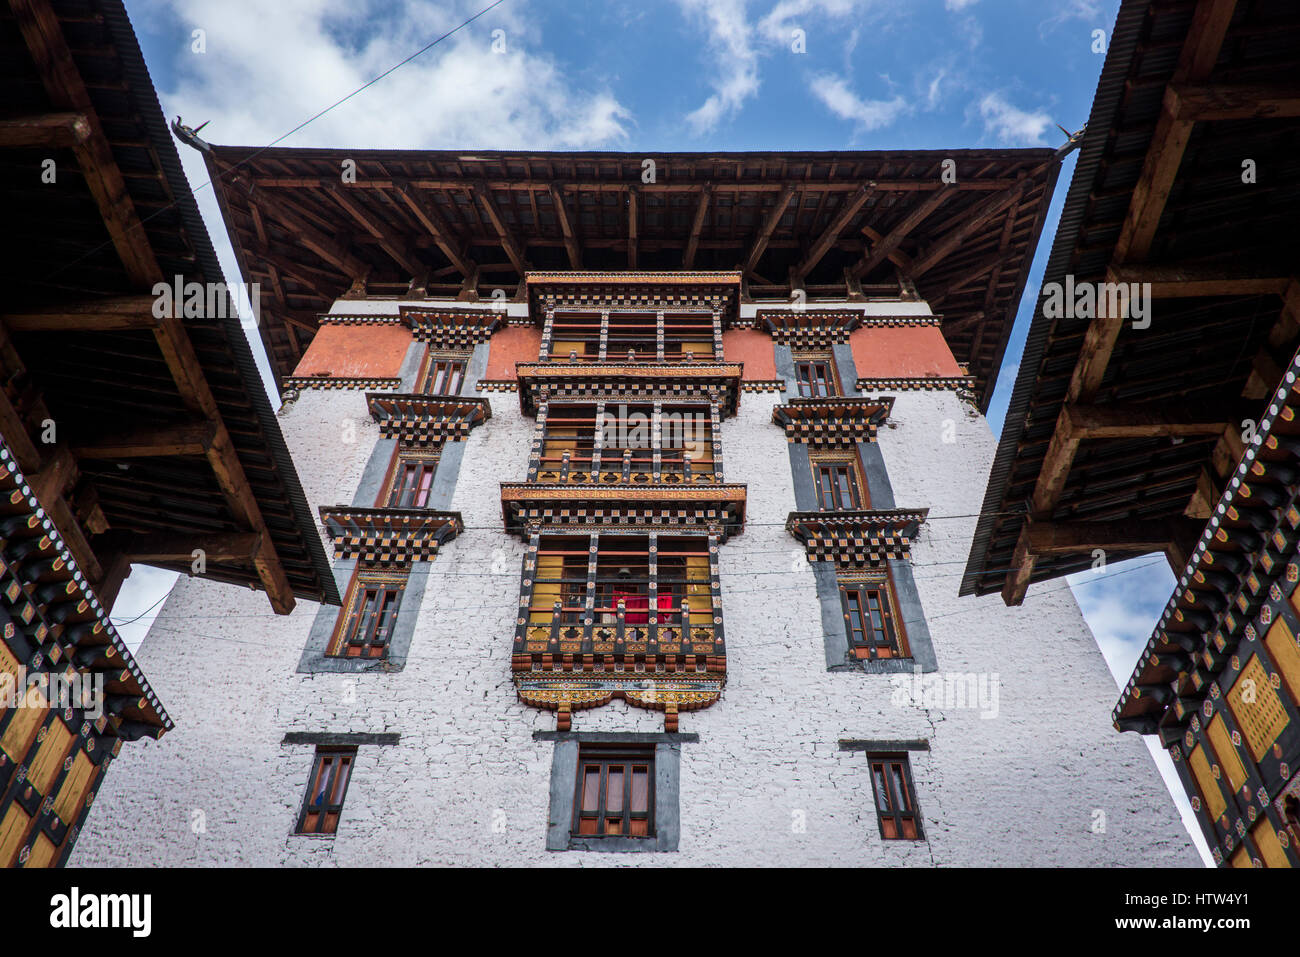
[(1221, 253), (457, 223)]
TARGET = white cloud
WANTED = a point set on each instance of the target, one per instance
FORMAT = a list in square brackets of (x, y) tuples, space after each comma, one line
[(959, 4), (1010, 124), (269, 67), (731, 41), (866, 114)]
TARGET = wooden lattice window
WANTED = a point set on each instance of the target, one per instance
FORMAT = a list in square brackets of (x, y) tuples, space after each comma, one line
[(411, 481), (615, 792), (443, 376), (815, 378), (891, 780), (366, 625), (870, 617), (838, 484), (326, 788)]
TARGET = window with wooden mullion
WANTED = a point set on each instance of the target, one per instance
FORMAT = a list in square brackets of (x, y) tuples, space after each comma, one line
[(615, 793), (370, 623), (412, 483), (869, 620), (326, 789), (837, 485), (891, 780), (815, 378), (444, 377)]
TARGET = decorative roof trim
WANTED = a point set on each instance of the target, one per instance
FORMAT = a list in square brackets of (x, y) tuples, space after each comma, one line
[(426, 419), (389, 536), (340, 382), (915, 383), (837, 420), (858, 537)]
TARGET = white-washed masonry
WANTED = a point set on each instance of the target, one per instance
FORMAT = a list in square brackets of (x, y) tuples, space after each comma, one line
[(1038, 778)]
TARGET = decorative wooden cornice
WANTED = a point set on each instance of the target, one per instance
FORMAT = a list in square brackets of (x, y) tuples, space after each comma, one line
[(836, 421), (389, 536), (762, 385), (48, 600), (1238, 576), (528, 507), (426, 419), (452, 328), (807, 329), (712, 291), (496, 385), (855, 538), (359, 319), (630, 382), (922, 383), (342, 382)]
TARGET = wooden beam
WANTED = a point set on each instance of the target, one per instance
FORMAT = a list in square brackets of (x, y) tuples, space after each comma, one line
[(513, 250), (1153, 535), (326, 247), (59, 471), (389, 241), (697, 226), (1169, 140), (848, 209), (899, 258), (432, 220), (51, 130), (967, 277), (1177, 282), (891, 240), (974, 219), (193, 439), (101, 315), (566, 228), (229, 547), (765, 231), (66, 90), (1128, 420), (1200, 102)]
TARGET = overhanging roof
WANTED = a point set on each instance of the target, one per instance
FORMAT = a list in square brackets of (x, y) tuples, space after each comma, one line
[(169, 428), (451, 223), (1120, 436)]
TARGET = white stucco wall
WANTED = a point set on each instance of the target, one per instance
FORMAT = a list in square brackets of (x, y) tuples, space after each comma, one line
[(765, 784)]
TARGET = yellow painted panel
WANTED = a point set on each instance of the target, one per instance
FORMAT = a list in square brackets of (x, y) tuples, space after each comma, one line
[(546, 594), (1270, 849), (1286, 655), (1229, 760), (49, 757), (8, 666), (698, 592), (12, 831), (560, 349), (1257, 708), (72, 793), (43, 851), (20, 734), (1211, 793), (1240, 858)]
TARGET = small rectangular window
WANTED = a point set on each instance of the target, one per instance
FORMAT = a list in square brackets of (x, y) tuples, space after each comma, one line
[(870, 620), (837, 485), (615, 793), (326, 788), (891, 781), (366, 624), (443, 377), (815, 378), (412, 482)]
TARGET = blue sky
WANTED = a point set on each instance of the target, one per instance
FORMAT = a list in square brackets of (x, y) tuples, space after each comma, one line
[(653, 76)]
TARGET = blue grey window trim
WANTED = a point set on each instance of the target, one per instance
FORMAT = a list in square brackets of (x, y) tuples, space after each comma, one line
[(314, 660), (341, 739), (372, 479), (784, 360), (845, 368), (884, 746), (564, 782), (475, 369), (411, 363)]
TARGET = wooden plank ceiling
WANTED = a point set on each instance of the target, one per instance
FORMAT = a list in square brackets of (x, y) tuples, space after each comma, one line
[(449, 223), (1120, 437)]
